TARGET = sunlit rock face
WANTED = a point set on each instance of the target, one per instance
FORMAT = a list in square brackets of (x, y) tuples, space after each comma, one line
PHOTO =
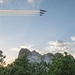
[(47, 57), (35, 57)]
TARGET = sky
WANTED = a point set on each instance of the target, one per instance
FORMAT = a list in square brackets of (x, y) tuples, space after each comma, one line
[(53, 32)]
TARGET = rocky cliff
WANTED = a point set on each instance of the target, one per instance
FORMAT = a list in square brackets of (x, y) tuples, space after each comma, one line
[(35, 57)]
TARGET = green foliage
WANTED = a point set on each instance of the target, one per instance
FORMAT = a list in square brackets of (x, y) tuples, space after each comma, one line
[(2, 57), (61, 65), (21, 66), (40, 69)]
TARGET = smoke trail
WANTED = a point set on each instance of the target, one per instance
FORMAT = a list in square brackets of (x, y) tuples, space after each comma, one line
[(19, 12)]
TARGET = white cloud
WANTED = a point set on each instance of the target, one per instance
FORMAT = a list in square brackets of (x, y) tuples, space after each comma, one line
[(57, 43), (15, 49), (26, 45), (3, 1), (9, 60), (73, 38), (34, 2), (57, 46), (29, 2), (52, 47), (61, 46)]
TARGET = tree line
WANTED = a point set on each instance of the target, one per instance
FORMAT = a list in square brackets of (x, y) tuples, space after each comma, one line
[(62, 64)]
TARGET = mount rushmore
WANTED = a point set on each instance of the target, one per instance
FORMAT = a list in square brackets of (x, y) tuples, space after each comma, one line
[(35, 57)]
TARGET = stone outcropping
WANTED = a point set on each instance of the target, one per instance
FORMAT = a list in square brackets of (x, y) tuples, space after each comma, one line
[(35, 57)]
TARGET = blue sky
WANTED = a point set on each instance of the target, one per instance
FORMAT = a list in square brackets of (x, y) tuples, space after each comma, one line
[(57, 23)]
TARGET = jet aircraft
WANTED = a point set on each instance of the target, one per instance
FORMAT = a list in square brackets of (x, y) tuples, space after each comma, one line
[(42, 12)]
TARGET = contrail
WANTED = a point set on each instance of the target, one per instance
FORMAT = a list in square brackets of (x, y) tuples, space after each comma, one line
[(19, 12)]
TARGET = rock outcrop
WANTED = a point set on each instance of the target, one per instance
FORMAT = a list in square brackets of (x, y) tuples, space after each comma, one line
[(35, 57)]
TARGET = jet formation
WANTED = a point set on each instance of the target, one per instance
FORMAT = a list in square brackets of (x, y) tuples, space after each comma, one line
[(42, 12), (22, 12)]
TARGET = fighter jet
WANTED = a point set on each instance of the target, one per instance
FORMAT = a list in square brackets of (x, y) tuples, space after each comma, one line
[(42, 12)]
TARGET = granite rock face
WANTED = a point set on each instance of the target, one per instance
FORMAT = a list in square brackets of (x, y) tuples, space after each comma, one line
[(35, 57)]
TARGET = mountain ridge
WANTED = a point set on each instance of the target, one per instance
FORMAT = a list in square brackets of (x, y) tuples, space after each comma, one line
[(35, 57)]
